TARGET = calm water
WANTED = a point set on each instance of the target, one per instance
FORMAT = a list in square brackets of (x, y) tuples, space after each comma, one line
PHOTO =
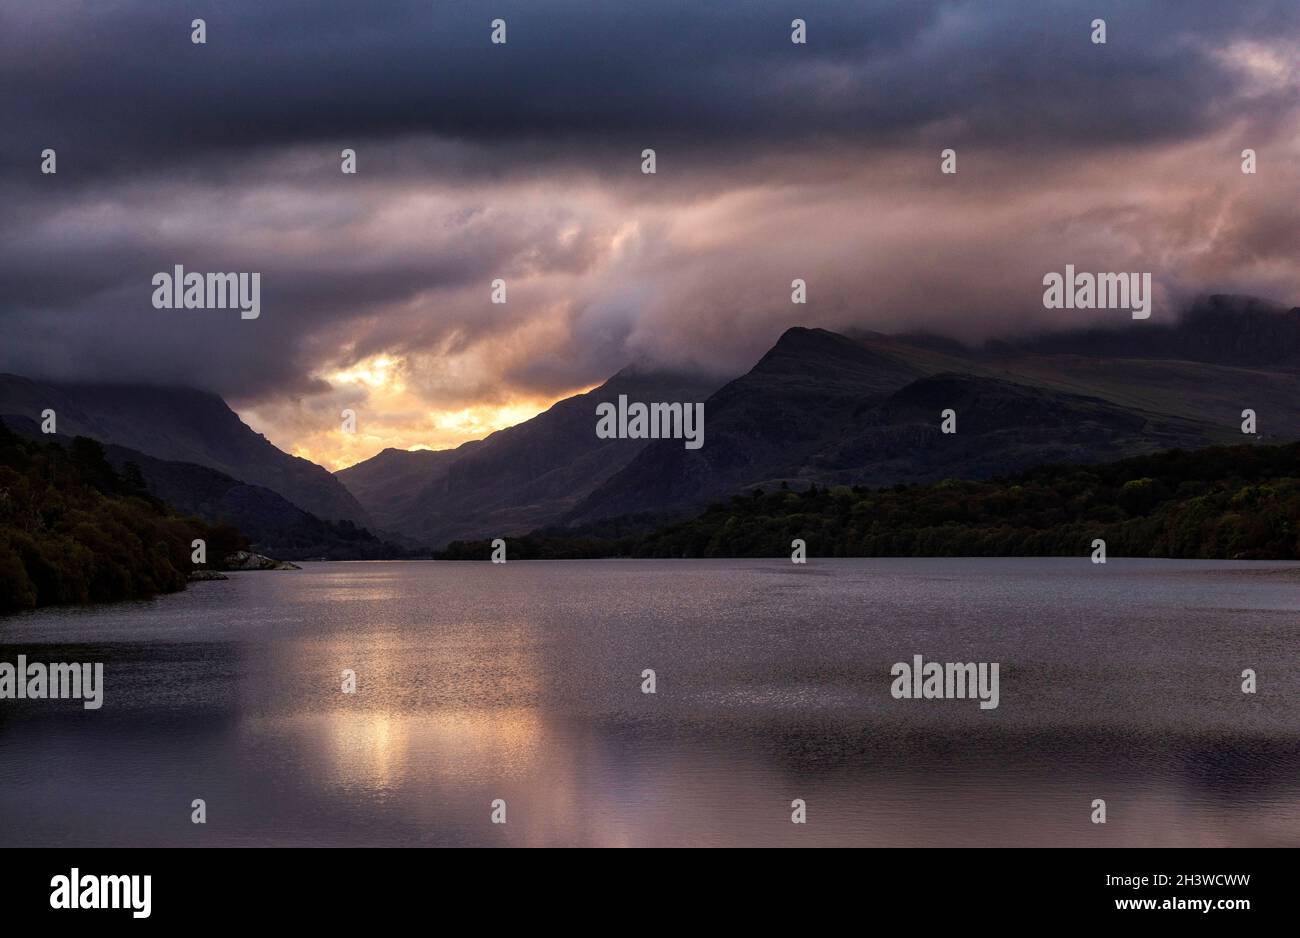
[(522, 682)]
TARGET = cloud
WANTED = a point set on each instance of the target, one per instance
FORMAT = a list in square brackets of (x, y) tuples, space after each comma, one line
[(522, 162)]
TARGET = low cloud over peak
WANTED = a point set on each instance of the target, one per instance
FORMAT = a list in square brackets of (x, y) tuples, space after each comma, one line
[(522, 162)]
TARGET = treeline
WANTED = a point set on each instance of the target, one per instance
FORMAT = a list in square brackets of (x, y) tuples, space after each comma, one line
[(318, 539), (74, 530), (1226, 502)]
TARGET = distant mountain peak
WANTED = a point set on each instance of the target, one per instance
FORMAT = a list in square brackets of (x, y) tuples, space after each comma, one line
[(1221, 329), (517, 478), (801, 337)]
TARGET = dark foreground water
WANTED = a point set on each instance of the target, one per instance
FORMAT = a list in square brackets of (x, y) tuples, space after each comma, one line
[(523, 682)]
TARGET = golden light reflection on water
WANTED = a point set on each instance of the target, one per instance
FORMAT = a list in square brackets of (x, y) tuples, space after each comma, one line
[(522, 682), (392, 749), (467, 696), (366, 750), (457, 707)]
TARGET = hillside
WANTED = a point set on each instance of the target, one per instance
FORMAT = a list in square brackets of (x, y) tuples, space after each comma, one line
[(73, 530), (181, 425), (866, 409), (518, 478), (272, 525), (1226, 502), (388, 484)]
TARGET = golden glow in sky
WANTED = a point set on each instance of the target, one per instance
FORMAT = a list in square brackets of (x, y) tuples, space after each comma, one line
[(389, 413)]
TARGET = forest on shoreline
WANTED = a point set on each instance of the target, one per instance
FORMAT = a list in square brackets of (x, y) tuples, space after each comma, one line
[(75, 530), (1222, 502)]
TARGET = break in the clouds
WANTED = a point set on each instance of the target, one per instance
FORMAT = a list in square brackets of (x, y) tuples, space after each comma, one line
[(522, 162)]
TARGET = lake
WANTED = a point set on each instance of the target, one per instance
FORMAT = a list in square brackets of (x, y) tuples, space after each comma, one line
[(523, 682)]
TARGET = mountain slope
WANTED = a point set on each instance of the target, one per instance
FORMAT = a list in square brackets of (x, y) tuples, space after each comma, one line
[(837, 410), (518, 478), (273, 525), (1239, 331), (809, 388), (388, 484), (1233, 502), (182, 425), (1002, 427), (73, 531)]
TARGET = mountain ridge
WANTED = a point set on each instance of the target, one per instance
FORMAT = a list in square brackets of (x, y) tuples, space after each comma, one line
[(818, 407), (273, 525), (180, 424), (519, 477), (799, 416)]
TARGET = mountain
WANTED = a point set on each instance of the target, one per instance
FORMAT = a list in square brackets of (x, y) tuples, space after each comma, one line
[(809, 388), (73, 531), (516, 479), (387, 485), (1002, 427), (1228, 502), (181, 424), (865, 409), (861, 409), (1241, 331), (272, 524)]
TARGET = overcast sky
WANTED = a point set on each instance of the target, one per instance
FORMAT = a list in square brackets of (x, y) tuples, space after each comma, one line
[(523, 161)]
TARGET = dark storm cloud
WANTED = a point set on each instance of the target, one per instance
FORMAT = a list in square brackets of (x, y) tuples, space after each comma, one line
[(521, 162), (324, 262), (123, 85)]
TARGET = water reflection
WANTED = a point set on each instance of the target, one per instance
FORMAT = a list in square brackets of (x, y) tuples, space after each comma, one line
[(772, 687)]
